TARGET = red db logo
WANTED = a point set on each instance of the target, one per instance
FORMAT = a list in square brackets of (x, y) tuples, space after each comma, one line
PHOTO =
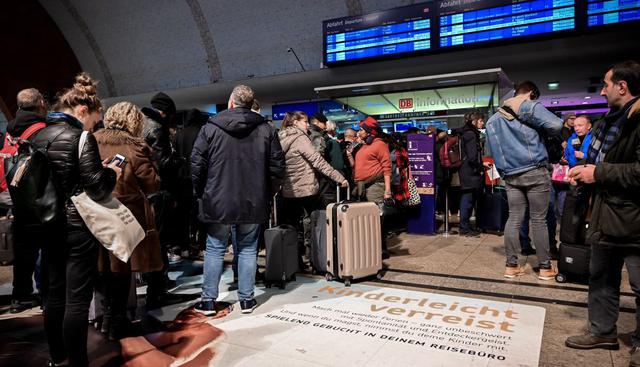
[(406, 103)]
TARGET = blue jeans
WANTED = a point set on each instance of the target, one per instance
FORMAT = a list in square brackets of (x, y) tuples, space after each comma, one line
[(247, 245), (467, 202), (525, 241)]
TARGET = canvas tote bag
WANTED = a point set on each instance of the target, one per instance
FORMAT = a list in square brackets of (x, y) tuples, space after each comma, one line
[(112, 223)]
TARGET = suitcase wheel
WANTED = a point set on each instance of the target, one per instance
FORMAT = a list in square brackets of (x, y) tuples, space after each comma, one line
[(379, 275), (347, 282), (267, 285), (282, 284), (328, 277), (560, 278)]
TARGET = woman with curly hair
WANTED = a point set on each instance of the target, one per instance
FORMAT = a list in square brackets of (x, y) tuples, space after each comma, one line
[(123, 124)]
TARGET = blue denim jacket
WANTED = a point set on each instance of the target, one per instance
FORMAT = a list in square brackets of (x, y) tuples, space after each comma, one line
[(515, 147)]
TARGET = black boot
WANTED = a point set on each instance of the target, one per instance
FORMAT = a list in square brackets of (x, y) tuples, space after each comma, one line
[(120, 327), (106, 317)]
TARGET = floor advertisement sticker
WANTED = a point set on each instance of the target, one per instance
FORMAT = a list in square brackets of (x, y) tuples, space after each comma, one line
[(326, 324)]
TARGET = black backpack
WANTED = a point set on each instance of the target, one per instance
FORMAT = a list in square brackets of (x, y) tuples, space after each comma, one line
[(553, 144), (31, 186)]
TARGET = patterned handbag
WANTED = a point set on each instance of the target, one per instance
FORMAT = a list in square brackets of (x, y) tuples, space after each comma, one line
[(414, 197)]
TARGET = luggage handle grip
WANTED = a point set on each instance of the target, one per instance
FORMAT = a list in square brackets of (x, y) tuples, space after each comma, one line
[(338, 187)]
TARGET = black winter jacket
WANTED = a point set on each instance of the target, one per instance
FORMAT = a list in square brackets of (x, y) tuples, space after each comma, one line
[(615, 217), (237, 165), (156, 134), (471, 171), (21, 123), (72, 175), (186, 138)]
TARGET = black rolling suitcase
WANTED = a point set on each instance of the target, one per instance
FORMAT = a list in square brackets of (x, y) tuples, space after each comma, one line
[(493, 210), (319, 241), (281, 242), (573, 263), (574, 256), (573, 224), (6, 240)]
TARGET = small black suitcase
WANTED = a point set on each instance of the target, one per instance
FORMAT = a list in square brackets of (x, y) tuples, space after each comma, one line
[(573, 224), (6, 240), (573, 263), (319, 241), (281, 244), (493, 210)]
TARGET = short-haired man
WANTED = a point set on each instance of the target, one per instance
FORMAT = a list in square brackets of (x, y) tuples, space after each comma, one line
[(567, 127), (522, 160), (613, 171), (578, 143), (32, 109), (237, 165)]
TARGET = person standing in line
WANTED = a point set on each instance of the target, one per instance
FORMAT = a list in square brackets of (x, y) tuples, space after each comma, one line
[(613, 172), (513, 135), (300, 187), (123, 123), (237, 165), (32, 109), (472, 170), (71, 253), (578, 144)]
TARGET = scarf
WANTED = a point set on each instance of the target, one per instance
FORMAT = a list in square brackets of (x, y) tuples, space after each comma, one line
[(607, 133)]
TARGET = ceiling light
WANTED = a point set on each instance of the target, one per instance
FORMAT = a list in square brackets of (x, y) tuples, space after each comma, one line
[(585, 102), (554, 102), (587, 97), (360, 90), (448, 81), (553, 85)]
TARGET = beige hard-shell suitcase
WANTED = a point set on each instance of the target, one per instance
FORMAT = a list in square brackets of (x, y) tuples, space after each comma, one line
[(354, 243)]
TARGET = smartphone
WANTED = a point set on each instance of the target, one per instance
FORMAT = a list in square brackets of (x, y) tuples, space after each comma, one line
[(118, 159)]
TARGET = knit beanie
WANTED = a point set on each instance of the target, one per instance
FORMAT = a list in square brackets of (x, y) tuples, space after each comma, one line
[(370, 125), (164, 103)]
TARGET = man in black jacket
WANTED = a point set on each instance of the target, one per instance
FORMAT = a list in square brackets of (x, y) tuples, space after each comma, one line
[(31, 110), (237, 165), (613, 172), (186, 206), (156, 134)]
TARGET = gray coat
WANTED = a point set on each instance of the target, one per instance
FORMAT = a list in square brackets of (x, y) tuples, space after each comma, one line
[(302, 161)]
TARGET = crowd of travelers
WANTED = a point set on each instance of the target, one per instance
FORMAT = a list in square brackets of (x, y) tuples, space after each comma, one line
[(208, 183)]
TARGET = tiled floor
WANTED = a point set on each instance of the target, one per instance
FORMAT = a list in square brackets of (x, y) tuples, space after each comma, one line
[(468, 267)]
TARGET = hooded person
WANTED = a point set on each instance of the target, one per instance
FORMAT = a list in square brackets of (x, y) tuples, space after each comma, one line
[(157, 136), (237, 165)]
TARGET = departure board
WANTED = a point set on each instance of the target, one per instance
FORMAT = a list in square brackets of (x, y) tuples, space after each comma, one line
[(600, 12), (459, 26), (397, 31)]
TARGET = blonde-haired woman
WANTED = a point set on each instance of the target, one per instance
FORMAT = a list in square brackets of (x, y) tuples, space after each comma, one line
[(300, 186), (123, 124)]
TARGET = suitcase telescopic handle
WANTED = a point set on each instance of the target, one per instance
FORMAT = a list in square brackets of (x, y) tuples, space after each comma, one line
[(338, 187), (274, 220)]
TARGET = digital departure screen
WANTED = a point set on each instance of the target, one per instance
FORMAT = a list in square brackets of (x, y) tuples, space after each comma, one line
[(600, 12), (453, 24), (396, 31), (465, 24)]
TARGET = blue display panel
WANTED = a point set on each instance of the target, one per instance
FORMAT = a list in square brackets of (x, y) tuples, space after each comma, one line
[(460, 25), (601, 12), (396, 31)]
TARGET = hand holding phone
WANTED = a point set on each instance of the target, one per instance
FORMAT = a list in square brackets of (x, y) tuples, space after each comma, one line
[(118, 160)]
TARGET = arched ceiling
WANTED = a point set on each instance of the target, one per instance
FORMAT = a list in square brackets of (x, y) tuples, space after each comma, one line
[(197, 49), (146, 45)]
